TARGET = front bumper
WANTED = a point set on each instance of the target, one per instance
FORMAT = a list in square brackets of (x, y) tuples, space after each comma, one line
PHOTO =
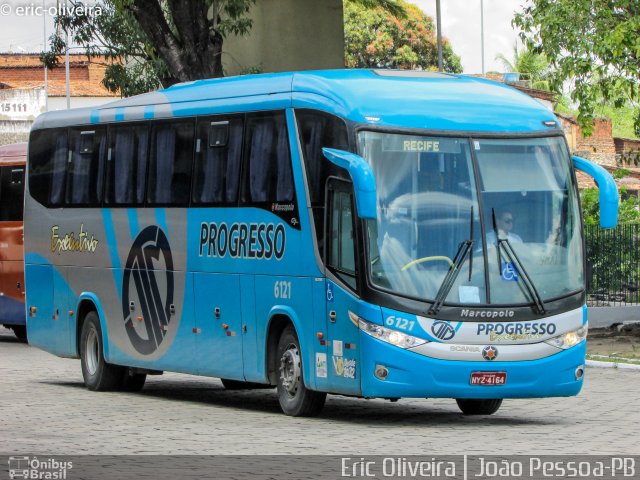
[(414, 375)]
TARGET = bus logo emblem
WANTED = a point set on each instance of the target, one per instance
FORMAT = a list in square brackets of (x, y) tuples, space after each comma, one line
[(490, 352), (149, 271), (443, 330)]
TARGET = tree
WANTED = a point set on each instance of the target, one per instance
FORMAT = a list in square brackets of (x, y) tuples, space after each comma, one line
[(156, 43), (376, 38), (152, 43), (594, 44), (533, 65)]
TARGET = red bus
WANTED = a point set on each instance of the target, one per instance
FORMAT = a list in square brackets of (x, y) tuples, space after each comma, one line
[(12, 311)]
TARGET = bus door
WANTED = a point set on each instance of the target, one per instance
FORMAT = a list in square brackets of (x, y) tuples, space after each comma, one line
[(340, 239), (48, 310), (219, 325)]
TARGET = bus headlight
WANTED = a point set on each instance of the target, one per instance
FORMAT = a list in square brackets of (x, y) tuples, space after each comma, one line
[(394, 337), (569, 339)]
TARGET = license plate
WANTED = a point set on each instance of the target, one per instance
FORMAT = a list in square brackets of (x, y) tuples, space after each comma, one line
[(488, 378)]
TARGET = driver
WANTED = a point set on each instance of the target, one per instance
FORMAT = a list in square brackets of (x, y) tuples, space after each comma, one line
[(504, 224)]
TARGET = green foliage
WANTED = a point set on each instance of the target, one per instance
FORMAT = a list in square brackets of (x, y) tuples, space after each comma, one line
[(132, 65), (376, 38), (613, 255), (628, 212), (593, 43), (530, 64), (622, 119), (137, 60)]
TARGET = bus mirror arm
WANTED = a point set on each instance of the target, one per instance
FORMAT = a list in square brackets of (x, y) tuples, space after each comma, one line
[(364, 184), (608, 197)]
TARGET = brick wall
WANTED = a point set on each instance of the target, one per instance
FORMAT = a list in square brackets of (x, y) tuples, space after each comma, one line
[(628, 150), (599, 147), (26, 71)]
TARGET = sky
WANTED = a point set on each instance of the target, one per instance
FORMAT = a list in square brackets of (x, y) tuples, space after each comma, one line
[(22, 24)]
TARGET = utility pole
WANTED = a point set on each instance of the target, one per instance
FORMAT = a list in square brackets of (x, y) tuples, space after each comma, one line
[(66, 61), (44, 48), (439, 27)]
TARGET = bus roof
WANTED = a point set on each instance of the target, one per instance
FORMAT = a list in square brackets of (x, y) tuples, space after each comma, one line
[(391, 98), (14, 154)]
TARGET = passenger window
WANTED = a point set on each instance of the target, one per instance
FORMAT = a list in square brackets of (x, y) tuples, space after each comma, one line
[(269, 178), (170, 166), (11, 193), (218, 159), (47, 166), (341, 255), (127, 165), (86, 162), (318, 130)]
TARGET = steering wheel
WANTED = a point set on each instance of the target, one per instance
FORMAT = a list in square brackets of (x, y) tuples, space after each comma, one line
[(428, 259)]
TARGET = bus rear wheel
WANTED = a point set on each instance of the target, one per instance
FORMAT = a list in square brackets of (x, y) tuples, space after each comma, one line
[(98, 375), (477, 406), (295, 399)]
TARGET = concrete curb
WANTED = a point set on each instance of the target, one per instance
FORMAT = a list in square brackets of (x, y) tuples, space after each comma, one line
[(621, 366)]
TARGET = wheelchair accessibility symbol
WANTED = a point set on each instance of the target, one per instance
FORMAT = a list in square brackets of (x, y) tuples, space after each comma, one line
[(509, 272), (329, 292)]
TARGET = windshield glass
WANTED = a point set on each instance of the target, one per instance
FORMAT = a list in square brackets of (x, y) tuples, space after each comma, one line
[(427, 206), (528, 188), (428, 209)]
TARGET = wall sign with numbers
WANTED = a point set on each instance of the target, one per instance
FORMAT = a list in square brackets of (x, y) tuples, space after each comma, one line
[(18, 104)]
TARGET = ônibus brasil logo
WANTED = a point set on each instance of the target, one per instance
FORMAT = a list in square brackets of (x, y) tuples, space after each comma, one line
[(150, 268)]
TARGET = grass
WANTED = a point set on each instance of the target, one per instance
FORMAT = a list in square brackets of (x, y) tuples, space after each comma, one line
[(613, 359)]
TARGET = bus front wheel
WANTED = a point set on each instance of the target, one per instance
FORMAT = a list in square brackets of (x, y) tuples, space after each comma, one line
[(295, 399), (97, 374), (476, 406)]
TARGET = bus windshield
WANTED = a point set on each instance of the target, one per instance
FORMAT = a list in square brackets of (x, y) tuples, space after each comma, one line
[(473, 221)]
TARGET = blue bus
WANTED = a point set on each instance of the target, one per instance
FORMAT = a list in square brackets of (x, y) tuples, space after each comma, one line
[(367, 233)]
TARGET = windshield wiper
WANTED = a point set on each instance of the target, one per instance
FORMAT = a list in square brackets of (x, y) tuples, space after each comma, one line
[(450, 278), (512, 257)]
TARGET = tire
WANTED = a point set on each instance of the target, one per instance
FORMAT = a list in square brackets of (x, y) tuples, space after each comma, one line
[(473, 406), (131, 381), (98, 375), (295, 399), (239, 385), (20, 331)]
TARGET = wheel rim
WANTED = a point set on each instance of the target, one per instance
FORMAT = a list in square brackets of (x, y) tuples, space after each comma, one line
[(290, 372), (92, 351)]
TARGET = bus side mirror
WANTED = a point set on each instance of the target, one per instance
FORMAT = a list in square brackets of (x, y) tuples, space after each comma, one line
[(608, 197), (364, 183)]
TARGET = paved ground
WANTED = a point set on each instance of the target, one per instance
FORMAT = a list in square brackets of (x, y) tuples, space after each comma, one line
[(46, 410)]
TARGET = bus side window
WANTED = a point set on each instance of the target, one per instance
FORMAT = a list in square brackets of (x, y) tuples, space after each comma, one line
[(47, 165), (218, 158), (270, 178), (127, 165), (85, 173), (341, 241), (318, 130), (171, 161), (11, 193)]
